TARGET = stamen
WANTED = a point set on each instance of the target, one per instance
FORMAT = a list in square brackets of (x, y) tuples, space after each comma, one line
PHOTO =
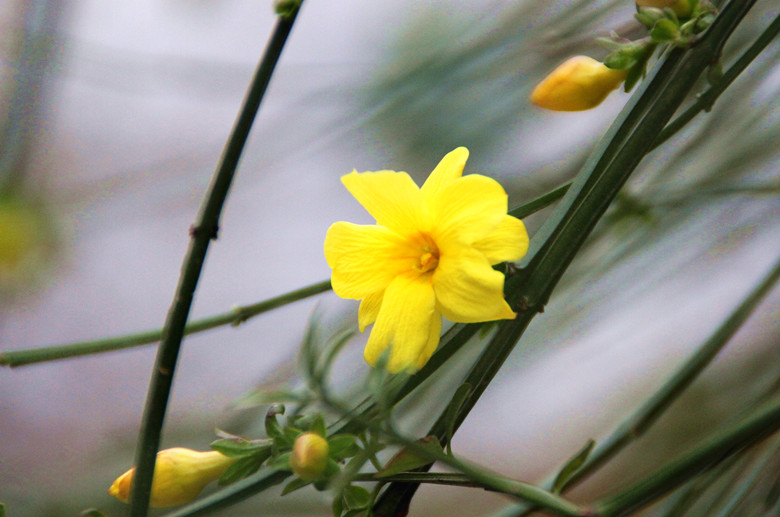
[(429, 258)]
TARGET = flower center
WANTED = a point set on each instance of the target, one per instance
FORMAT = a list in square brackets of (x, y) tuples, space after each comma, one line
[(429, 255)]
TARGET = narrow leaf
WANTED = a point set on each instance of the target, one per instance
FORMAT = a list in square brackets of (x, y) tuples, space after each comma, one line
[(318, 426), (241, 469), (356, 497), (294, 485), (572, 466), (451, 416), (272, 428), (238, 448), (407, 460), (343, 446), (338, 506)]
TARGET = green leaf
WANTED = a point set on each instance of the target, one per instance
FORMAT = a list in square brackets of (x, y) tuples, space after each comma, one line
[(281, 462), (338, 505), (356, 497), (461, 394), (343, 446), (318, 426), (272, 428), (407, 460), (260, 397), (664, 31), (241, 469), (239, 448), (572, 466), (289, 436), (294, 485)]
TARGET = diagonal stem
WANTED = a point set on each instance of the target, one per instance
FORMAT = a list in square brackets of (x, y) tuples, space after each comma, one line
[(205, 229)]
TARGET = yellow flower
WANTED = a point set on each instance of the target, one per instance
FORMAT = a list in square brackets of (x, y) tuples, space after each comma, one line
[(430, 254), (179, 476), (581, 83), (309, 456)]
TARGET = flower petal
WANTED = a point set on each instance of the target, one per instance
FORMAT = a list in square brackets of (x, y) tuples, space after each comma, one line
[(466, 210), (369, 309), (509, 241), (468, 290), (434, 334), (392, 198), (365, 258), (449, 169), (404, 323)]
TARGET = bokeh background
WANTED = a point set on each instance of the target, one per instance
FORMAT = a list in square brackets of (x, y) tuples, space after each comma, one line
[(112, 118)]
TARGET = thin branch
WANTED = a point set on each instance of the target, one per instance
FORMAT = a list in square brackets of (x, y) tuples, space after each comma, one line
[(235, 316), (758, 426), (639, 422), (205, 229)]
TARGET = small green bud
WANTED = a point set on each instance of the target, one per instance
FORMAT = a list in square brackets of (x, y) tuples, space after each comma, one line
[(648, 16), (309, 456), (665, 31)]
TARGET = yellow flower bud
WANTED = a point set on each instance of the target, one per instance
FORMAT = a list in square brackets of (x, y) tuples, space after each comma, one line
[(581, 83), (309, 456), (179, 476), (681, 8)]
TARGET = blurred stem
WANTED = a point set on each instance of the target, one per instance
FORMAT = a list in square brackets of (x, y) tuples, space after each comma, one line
[(234, 317), (761, 424), (638, 423), (747, 484), (204, 229)]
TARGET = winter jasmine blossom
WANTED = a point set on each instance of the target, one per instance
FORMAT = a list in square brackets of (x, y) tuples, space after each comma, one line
[(309, 456), (581, 83), (179, 476), (429, 255)]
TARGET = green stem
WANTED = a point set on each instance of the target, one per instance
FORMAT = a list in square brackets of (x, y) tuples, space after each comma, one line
[(750, 431), (205, 229), (541, 202), (430, 478), (638, 423), (235, 316), (764, 469)]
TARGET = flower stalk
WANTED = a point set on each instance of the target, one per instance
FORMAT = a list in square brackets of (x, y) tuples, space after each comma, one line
[(202, 232)]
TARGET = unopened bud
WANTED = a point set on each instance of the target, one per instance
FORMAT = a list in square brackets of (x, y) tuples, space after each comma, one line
[(179, 476), (581, 83), (309, 456)]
